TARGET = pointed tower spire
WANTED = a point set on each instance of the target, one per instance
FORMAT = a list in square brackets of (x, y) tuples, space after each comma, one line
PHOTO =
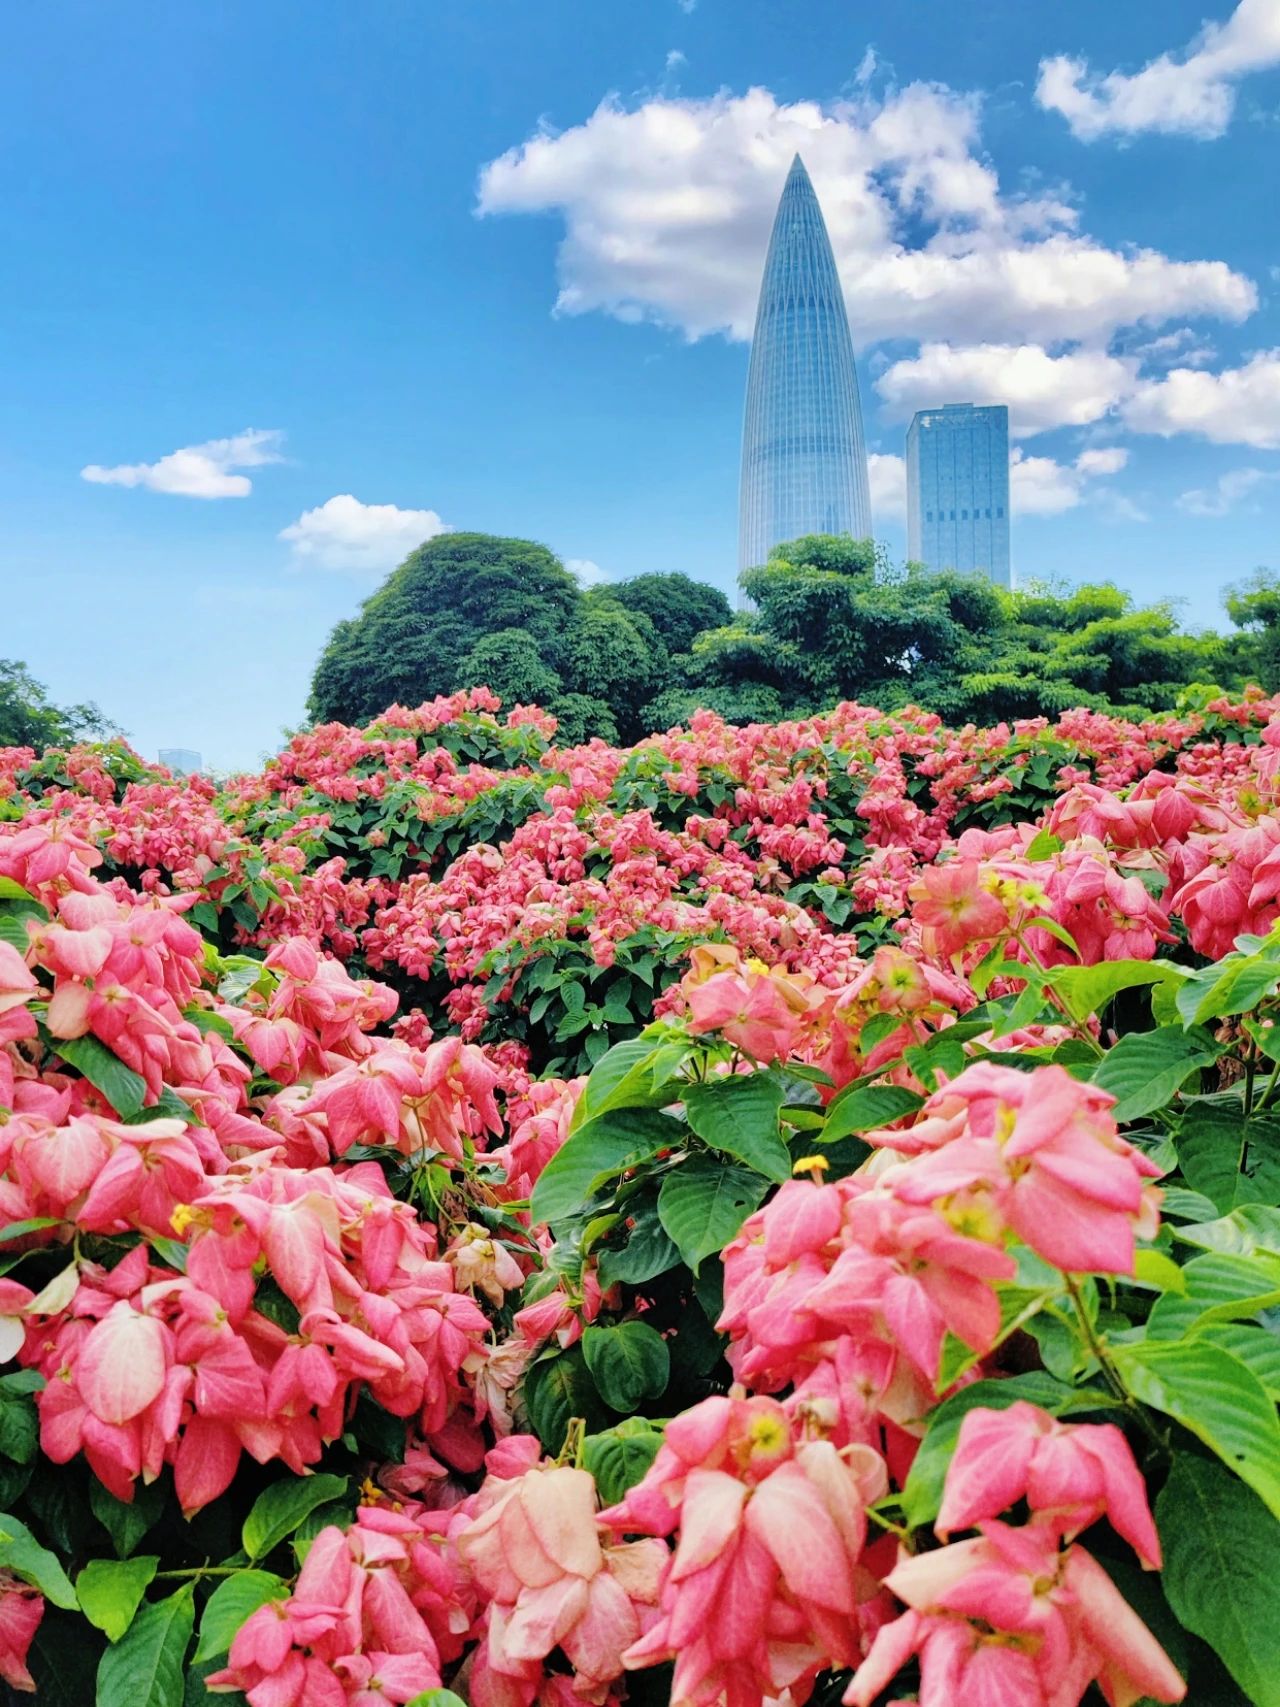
[(804, 459)]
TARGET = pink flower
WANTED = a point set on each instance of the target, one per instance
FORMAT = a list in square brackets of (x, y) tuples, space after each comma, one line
[(1070, 1474), (954, 908)]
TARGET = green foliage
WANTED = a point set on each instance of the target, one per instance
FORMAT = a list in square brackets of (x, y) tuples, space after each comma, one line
[(29, 718), (679, 607), (279, 1509), (145, 1668)]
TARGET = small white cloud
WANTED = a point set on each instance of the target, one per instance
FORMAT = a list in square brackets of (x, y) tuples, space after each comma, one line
[(1190, 92), (588, 574), (866, 67), (888, 477), (687, 6), (1041, 486), (675, 59), (198, 471), (343, 533), (1183, 346), (1226, 493)]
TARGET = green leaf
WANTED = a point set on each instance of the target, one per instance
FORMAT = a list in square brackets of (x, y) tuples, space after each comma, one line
[(126, 1524), (1259, 1348), (22, 1554), (1230, 1159), (12, 890), (597, 1152), (146, 1667), (63, 1659), (704, 1202), (437, 1698), (738, 1115), (557, 1389), (1252, 1227), (124, 1089), (1086, 990), (230, 1604), (620, 1457), (1234, 986), (1146, 1068), (111, 1590), (629, 1363), (647, 1253), (866, 1108), (1220, 1545), (922, 1493), (279, 1509), (19, 1426), (20, 1229), (1217, 1397)]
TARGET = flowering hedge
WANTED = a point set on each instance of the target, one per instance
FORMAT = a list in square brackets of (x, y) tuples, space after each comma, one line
[(770, 1214)]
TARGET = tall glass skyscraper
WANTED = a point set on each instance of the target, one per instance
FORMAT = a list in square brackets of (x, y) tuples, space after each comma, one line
[(958, 488), (804, 460)]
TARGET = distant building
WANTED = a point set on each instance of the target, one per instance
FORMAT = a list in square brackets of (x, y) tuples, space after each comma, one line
[(182, 761), (804, 460), (958, 488)]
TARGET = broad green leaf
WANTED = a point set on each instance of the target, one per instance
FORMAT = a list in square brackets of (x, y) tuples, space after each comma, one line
[(231, 1603), (22, 1554), (12, 890), (126, 1524), (1153, 1268), (1220, 1546), (1230, 1159), (704, 1202), (1259, 1348), (629, 1363), (557, 1389), (1234, 986), (19, 1425), (437, 1698), (1145, 1069), (147, 1666), (1216, 1288), (620, 1457), (738, 1115), (1214, 1395), (279, 1509), (647, 1253), (1086, 990), (124, 1089), (622, 1077), (110, 1591), (1252, 1227), (922, 1494), (33, 1224), (865, 1109), (597, 1152), (1018, 1304)]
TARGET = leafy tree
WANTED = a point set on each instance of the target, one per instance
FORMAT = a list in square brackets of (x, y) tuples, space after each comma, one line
[(511, 663), (413, 637), (678, 606), (1254, 607), (616, 656), (29, 718)]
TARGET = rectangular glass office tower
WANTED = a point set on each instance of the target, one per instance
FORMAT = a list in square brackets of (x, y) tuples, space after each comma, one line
[(958, 488)]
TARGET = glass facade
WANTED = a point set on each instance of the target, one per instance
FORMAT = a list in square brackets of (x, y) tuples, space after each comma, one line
[(804, 460), (958, 488)]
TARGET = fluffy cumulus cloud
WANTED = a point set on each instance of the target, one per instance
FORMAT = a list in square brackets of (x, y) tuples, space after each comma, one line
[(1189, 92), (1042, 486), (343, 533), (1227, 493), (667, 208), (888, 475), (588, 574), (209, 470), (1236, 406), (1042, 391)]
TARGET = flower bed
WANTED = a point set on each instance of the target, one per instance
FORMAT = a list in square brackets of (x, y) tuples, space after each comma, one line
[(770, 1214)]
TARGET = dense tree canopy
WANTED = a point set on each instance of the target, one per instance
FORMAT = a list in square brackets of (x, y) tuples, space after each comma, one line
[(679, 607), (28, 718)]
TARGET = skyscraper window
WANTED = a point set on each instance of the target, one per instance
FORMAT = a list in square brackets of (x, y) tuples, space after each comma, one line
[(804, 460)]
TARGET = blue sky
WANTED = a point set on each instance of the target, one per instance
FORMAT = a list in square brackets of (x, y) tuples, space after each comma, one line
[(378, 268)]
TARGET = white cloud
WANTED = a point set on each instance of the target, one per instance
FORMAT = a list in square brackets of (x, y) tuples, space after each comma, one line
[(1181, 347), (1041, 486), (1226, 492), (667, 210), (1189, 92), (1237, 406), (343, 533), (675, 59), (1042, 391), (198, 471), (866, 67), (588, 574), (888, 475)]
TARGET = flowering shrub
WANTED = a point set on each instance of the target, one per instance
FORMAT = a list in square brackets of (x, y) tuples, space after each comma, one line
[(778, 1214)]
